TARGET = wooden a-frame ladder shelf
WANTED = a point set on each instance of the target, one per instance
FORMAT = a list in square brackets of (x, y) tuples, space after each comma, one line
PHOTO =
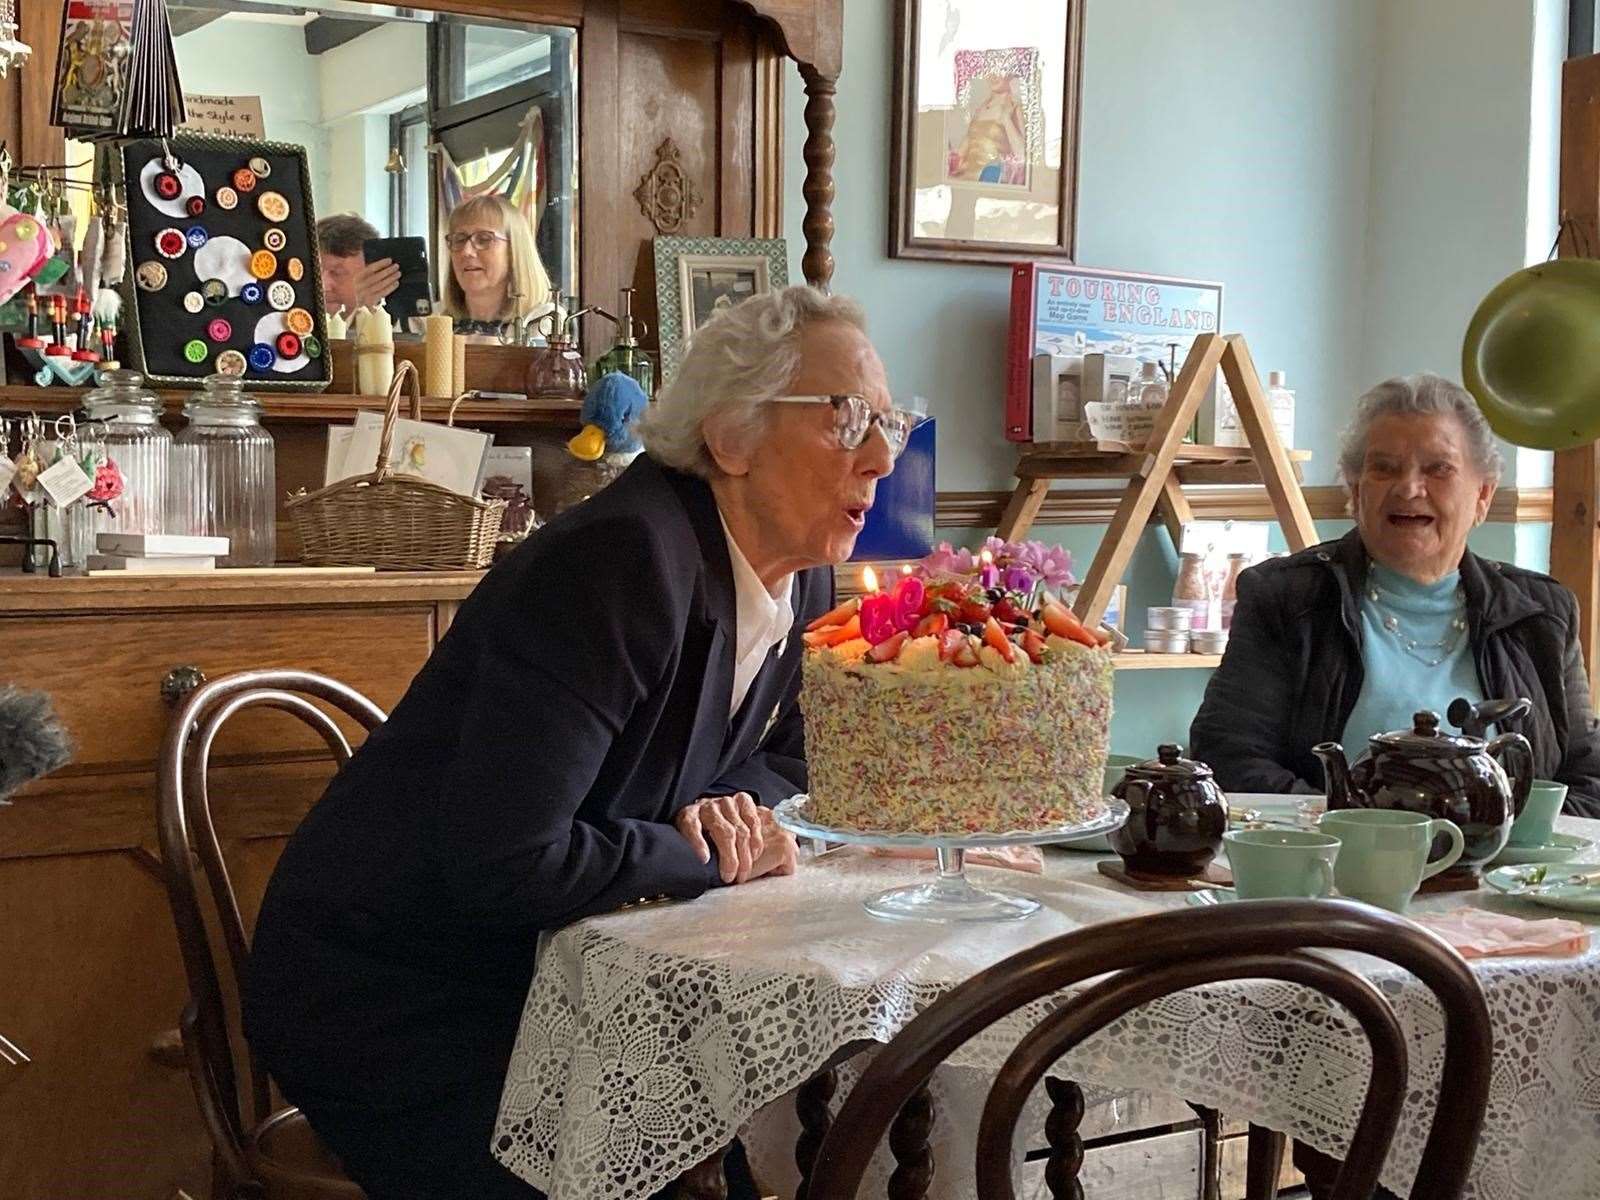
[(1156, 474)]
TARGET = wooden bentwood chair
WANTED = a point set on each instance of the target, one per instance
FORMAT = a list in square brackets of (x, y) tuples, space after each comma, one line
[(1150, 957), (275, 1155)]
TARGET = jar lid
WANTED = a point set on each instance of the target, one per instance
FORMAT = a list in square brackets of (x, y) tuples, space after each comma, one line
[(1170, 764), (122, 392), (222, 399), (1424, 738)]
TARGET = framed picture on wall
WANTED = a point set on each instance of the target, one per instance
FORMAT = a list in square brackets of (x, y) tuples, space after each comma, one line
[(985, 152), (697, 277)]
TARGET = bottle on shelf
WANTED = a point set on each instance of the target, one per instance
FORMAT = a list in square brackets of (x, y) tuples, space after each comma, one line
[(1280, 400), (1193, 590), (1237, 562), (625, 354)]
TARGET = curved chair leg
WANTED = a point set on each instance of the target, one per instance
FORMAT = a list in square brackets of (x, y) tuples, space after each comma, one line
[(811, 1105)]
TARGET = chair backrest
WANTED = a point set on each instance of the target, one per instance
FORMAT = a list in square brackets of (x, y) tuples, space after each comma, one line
[(1147, 957), (189, 837)]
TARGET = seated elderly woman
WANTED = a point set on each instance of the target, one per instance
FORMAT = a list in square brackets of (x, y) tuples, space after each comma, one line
[(1349, 638), (610, 717)]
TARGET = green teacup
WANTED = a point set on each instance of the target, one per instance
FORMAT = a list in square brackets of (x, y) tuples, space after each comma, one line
[(1272, 863), (1537, 822), (1385, 853)]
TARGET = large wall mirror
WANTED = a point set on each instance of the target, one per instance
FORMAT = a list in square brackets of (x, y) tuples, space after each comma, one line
[(404, 113)]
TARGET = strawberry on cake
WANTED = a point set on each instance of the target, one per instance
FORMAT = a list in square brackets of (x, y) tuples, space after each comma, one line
[(964, 699)]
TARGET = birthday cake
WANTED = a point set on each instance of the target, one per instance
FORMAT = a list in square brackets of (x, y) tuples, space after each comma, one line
[(964, 699)]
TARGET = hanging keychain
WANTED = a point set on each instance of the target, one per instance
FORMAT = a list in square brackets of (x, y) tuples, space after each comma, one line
[(27, 463), (103, 470), (7, 467), (64, 480)]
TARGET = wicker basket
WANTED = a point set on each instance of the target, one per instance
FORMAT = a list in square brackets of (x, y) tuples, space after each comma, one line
[(395, 522)]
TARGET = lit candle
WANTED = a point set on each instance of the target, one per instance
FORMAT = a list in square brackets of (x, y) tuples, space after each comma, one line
[(909, 594), (988, 574), (869, 579), (877, 611)]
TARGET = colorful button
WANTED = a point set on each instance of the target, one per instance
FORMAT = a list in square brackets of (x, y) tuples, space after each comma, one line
[(219, 330), (170, 243), (274, 239), (196, 351), (168, 185), (214, 291), (262, 357), (195, 205), (251, 293), (296, 269), (197, 236), (311, 346), (299, 320), (151, 276), (288, 345), (227, 197), (281, 294), (231, 362), (260, 167), (193, 302), (244, 180), (272, 206), (263, 264)]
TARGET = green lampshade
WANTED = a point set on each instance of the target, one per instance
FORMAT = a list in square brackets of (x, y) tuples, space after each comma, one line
[(1532, 355)]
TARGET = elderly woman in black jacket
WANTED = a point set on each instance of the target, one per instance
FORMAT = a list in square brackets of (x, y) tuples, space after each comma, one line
[(1349, 638)]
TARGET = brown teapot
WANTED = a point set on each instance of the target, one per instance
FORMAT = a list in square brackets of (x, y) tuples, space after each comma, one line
[(1461, 778), (1176, 815)]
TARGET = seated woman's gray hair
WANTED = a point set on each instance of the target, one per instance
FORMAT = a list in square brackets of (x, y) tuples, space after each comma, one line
[(736, 363), (1422, 395)]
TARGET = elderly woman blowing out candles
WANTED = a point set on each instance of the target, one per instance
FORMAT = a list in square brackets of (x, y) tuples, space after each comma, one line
[(609, 717), (1351, 637)]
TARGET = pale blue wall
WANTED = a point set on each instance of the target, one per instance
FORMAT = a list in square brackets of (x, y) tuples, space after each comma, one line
[(1229, 140)]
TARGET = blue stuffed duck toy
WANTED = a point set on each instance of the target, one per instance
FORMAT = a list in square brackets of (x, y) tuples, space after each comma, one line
[(608, 414)]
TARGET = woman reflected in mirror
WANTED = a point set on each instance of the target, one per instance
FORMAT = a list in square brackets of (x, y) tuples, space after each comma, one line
[(496, 278)]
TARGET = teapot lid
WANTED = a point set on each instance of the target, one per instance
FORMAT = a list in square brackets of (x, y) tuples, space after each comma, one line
[(1424, 737), (1170, 764)]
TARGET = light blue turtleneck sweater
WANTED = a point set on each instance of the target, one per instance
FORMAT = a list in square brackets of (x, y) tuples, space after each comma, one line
[(1397, 684)]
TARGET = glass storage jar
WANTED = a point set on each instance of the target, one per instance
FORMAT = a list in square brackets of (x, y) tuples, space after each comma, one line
[(125, 416), (224, 474)]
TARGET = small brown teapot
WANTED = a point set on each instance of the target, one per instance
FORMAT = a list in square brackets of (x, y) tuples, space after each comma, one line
[(1461, 778), (1176, 815)]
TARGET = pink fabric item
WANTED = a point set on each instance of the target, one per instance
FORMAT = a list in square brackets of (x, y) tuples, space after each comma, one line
[(1476, 933), (1015, 858)]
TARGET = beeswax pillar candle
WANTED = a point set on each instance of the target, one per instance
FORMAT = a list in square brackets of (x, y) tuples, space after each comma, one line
[(437, 353)]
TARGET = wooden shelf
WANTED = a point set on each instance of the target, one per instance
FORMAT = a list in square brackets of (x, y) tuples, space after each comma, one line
[(1139, 660), (318, 407), (1187, 451)]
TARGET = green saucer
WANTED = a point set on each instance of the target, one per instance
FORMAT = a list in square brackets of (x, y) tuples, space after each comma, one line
[(1576, 898), (1559, 848)]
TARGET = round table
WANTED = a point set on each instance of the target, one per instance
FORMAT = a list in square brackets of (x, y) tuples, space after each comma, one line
[(652, 1036)]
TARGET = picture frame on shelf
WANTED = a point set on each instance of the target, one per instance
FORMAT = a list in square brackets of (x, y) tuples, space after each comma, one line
[(696, 276), (984, 158)]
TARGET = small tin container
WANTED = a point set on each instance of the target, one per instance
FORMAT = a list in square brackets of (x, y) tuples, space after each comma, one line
[(1208, 641), (1166, 641), (1169, 618)]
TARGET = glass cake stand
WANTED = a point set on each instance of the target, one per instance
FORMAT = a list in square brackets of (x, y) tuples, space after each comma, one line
[(950, 896)]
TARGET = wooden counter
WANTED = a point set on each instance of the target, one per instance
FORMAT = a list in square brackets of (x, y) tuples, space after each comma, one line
[(90, 980)]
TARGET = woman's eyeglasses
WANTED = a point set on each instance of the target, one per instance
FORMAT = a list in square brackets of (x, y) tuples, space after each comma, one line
[(481, 239), (854, 417)]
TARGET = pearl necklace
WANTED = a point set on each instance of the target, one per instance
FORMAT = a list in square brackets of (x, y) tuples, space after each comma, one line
[(1410, 646)]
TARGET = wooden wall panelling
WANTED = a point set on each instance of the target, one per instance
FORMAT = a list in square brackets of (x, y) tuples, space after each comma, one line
[(40, 141), (1575, 532), (736, 136), (601, 194)]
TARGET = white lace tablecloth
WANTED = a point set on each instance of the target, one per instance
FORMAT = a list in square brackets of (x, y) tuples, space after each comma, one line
[(652, 1036)]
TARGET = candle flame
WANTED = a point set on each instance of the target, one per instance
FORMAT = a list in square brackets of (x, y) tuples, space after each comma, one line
[(905, 568), (987, 557), (869, 577)]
